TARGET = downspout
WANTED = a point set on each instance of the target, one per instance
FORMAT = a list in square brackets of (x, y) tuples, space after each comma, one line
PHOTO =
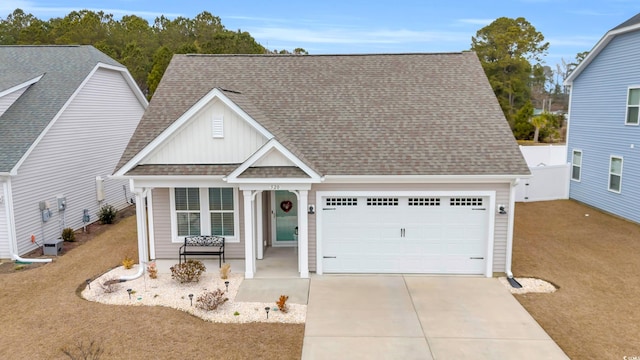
[(141, 221), (511, 215), (13, 245)]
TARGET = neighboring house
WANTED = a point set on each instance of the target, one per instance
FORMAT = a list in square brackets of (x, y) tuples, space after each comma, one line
[(398, 163), (549, 173), (66, 115), (604, 133)]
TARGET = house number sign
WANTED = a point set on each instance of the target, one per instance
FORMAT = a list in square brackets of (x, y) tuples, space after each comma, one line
[(275, 187)]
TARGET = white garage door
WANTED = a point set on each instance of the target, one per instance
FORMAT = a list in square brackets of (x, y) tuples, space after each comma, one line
[(439, 234)]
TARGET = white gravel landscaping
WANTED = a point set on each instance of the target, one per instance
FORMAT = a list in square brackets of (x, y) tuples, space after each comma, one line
[(529, 285), (165, 291)]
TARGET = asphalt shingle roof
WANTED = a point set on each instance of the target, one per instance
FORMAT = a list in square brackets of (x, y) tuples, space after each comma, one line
[(632, 21), (63, 69), (386, 114)]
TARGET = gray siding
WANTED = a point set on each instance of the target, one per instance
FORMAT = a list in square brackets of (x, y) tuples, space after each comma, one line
[(7, 100), (86, 141), (164, 245), (500, 226), (597, 127)]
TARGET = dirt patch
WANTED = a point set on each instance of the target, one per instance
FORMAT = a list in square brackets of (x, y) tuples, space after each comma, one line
[(46, 314), (82, 236), (592, 258)]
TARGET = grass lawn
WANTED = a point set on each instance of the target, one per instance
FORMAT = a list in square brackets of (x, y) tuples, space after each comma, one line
[(41, 314), (595, 262)]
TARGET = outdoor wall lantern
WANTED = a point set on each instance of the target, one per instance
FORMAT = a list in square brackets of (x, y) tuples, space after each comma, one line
[(311, 210), (191, 299), (502, 210)]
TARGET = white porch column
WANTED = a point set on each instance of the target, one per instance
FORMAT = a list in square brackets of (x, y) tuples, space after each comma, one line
[(141, 221), (303, 234), (259, 227), (249, 256)]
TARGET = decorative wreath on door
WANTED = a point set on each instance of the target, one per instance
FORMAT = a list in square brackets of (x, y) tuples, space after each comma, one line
[(286, 205)]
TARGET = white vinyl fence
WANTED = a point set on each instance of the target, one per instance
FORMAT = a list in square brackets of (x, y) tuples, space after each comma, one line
[(549, 174)]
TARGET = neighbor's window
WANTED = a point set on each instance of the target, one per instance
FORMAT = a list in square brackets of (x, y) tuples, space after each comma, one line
[(188, 211), (221, 211), (615, 174), (633, 107), (576, 165)]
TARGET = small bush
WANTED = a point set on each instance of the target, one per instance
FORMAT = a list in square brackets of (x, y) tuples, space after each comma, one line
[(225, 270), (68, 235), (282, 303), (127, 262), (152, 270), (110, 285), (91, 351), (188, 271), (211, 300), (107, 214)]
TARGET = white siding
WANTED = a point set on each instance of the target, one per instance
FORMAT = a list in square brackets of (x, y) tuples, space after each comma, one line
[(500, 226), (165, 247), (194, 143), (274, 158), (8, 100), (86, 141), (4, 229)]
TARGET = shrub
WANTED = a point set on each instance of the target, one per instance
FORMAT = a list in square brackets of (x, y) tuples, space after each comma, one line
[(188, 271), (225, 270), (91, 351), (282, 303), (152, 270), (68, 235), (211, 300), (107, 214), (110, 285), (127, 262)]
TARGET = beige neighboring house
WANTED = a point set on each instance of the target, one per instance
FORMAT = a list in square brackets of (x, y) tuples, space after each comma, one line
[(389, 163), (66, 115)]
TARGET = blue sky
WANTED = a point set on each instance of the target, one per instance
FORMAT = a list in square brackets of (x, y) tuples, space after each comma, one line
[(373, 26)]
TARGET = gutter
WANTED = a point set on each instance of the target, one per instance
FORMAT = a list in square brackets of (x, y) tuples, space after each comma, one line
[(13, 247)]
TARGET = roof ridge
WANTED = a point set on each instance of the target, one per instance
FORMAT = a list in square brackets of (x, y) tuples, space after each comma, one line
[(326, 55)]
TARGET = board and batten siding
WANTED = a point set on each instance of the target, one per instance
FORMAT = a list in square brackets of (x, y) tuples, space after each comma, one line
[(194, 142), (165, 247), (500, 227), (597, 128), (8, 100), (86, 141)]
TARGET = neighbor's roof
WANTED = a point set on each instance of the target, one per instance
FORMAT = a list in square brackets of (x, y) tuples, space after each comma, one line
[(63, 68), (385, 114), (633, 24)]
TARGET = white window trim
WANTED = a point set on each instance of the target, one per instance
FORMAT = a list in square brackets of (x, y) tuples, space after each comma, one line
[(205, 218), (610, 173), (626, 107), (579, 179)]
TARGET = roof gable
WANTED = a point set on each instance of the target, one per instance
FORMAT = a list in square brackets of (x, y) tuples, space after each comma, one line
[(61, 72), (631, 25), (387, 114)]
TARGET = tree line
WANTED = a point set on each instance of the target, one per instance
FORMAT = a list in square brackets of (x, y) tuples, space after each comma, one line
[(510, 50), (145, 49)]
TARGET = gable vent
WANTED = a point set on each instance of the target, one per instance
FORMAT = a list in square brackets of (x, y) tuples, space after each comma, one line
[(217, 127)]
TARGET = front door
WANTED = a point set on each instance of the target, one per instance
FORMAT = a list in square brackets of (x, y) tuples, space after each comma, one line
[(286, 218)]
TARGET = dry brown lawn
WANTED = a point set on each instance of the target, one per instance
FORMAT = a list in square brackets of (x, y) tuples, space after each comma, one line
[(42, 313), (595, 262)]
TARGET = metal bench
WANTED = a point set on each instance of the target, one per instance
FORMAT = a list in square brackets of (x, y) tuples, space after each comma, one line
[(202, 245)]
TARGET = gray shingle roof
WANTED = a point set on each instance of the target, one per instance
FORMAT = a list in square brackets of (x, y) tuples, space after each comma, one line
[(387, 114), (632, 21), (63, 69)]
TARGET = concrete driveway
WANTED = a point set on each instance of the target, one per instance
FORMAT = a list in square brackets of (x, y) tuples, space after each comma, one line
[(419, 317)]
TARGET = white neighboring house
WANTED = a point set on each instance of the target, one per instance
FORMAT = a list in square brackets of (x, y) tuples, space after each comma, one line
[(66, 116)]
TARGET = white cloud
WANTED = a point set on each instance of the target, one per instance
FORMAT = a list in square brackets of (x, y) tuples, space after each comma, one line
[(43, 12)]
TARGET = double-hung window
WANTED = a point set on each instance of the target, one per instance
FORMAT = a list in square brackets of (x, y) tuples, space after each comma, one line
[(576, 165), (204, 211), (633, 107), (615, 174), (187, 202)]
